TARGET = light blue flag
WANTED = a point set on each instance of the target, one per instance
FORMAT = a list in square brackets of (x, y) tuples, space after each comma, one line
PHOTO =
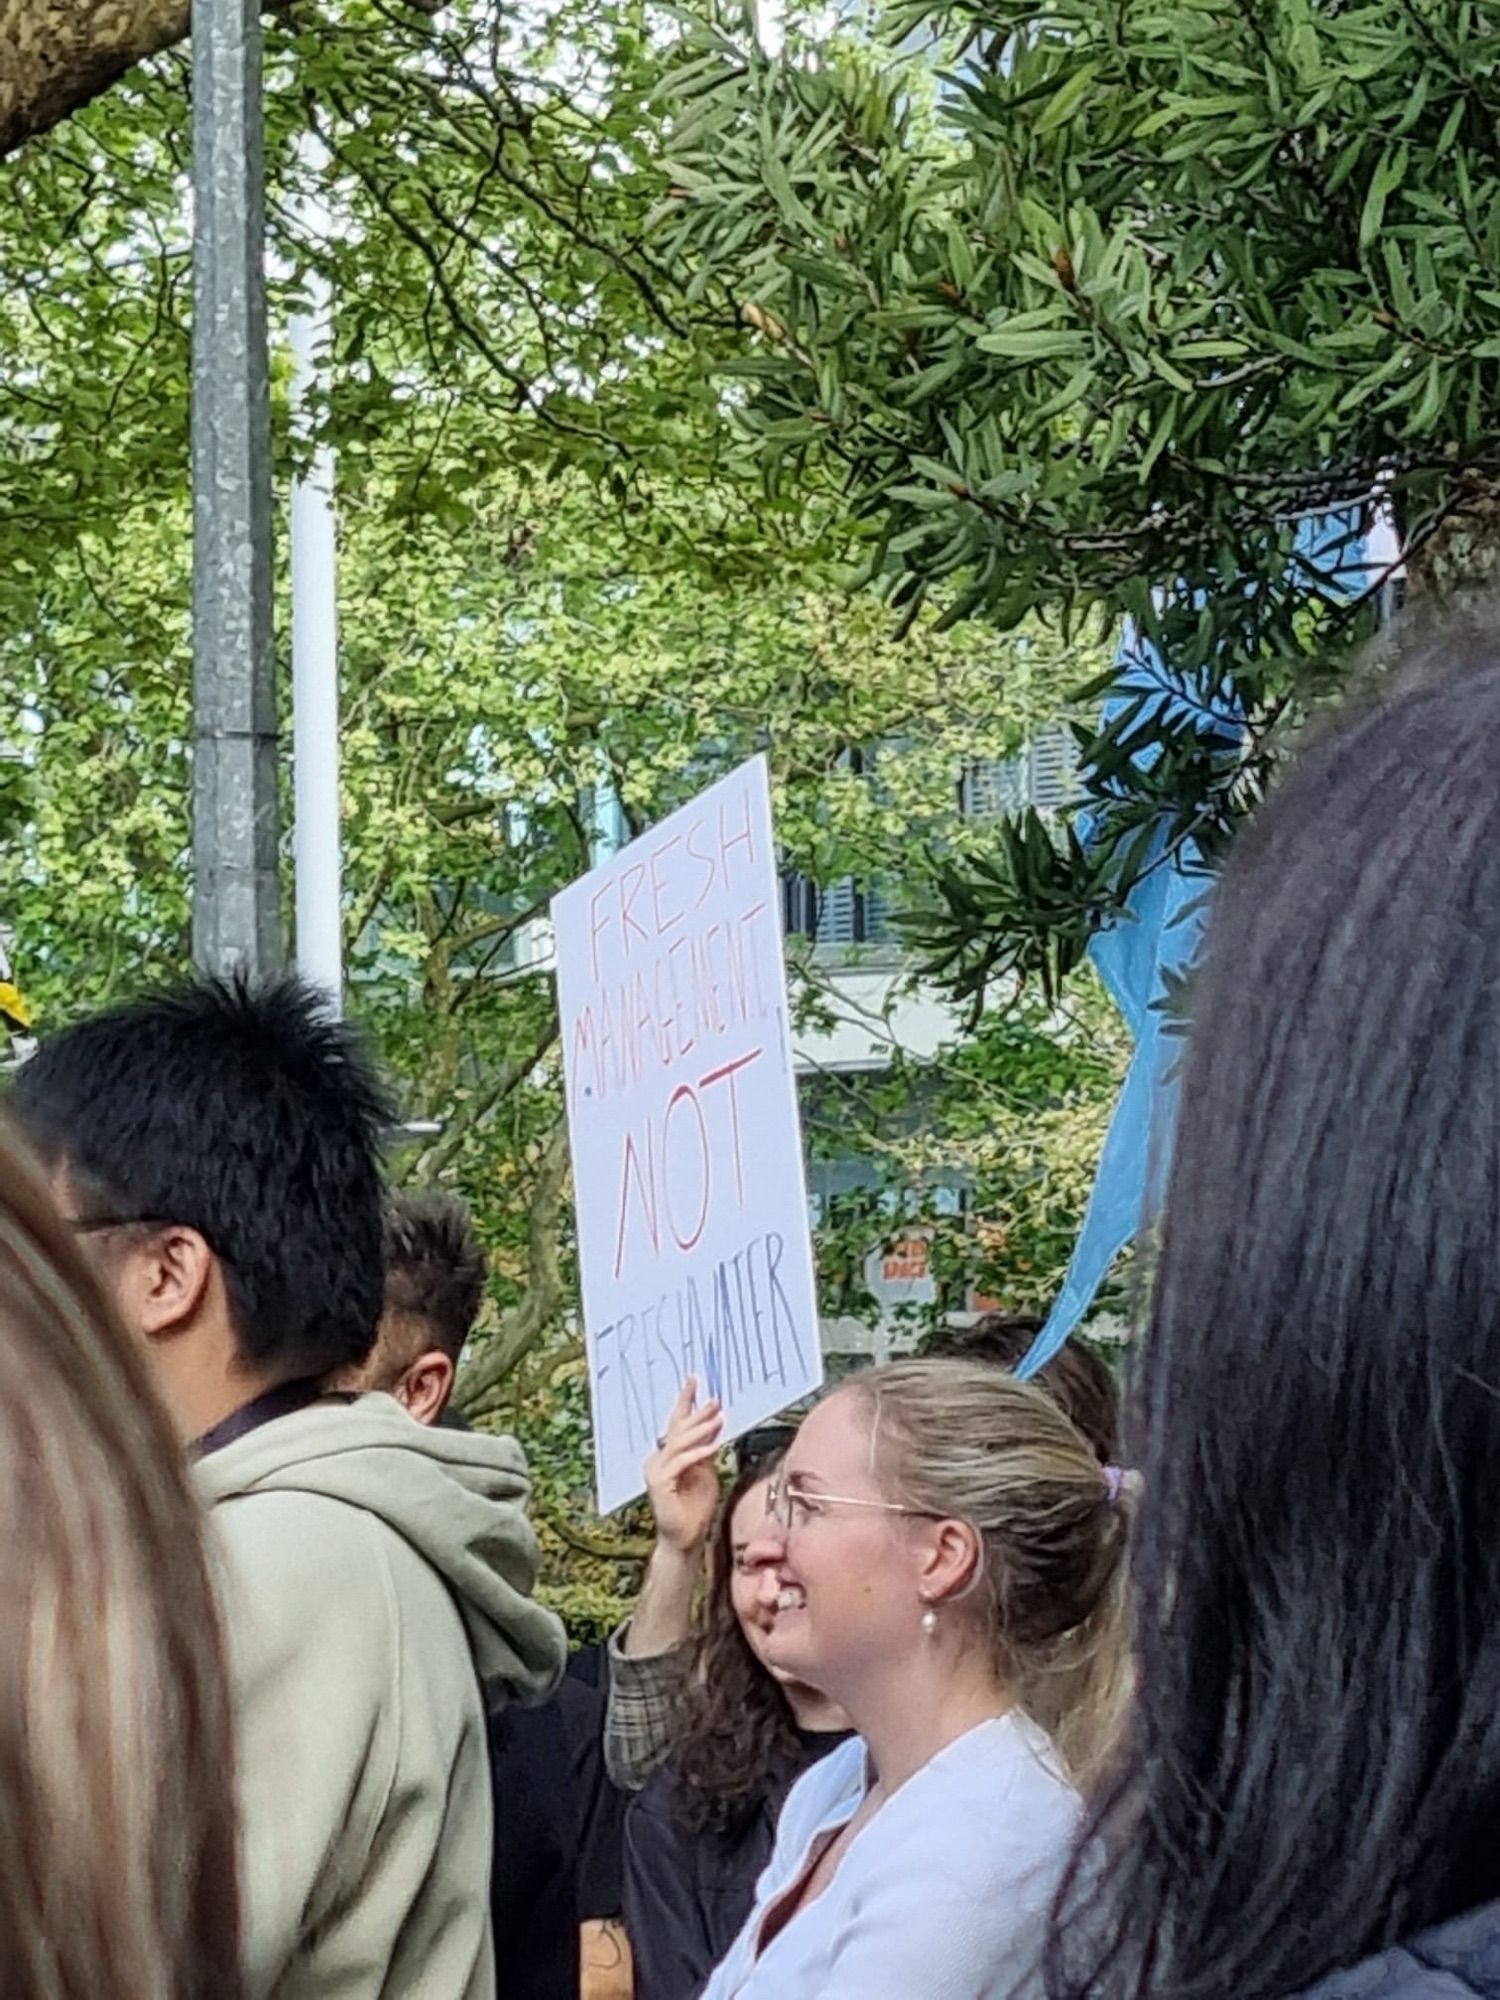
[(1136, 958)]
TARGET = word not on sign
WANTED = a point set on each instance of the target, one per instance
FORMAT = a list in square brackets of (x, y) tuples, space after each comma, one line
[(693, 1244)]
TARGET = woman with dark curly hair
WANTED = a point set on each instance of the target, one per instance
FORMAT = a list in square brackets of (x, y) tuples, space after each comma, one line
[(699, 1833)]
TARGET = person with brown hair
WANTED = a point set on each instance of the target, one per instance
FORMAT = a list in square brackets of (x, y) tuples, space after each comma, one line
[(1079, 1381), (702, 1828), (950, 1569), (546, 1762), (434, 1286), (651, 1655), (116, 1774)]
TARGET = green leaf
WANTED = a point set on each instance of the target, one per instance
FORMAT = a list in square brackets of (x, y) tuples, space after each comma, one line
[(1030, 343), (1387, 177), (1066, 99)]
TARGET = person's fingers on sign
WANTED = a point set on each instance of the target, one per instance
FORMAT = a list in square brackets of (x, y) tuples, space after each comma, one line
[(682, 1481)]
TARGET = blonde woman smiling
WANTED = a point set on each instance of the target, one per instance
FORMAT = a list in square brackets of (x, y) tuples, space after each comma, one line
[(951, 1573)]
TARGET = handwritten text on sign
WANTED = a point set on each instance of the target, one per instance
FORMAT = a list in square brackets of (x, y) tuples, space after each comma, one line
[(682, 1111)]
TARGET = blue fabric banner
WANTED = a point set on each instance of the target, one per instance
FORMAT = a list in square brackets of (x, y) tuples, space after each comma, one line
[(1135, 958)]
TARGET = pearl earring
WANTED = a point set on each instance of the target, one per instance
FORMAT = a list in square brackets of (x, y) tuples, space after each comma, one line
[(929, 1622)]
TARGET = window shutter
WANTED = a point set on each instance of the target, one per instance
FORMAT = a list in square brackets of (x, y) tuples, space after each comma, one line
[(837, 917), (1053, 757), (1044, 775)]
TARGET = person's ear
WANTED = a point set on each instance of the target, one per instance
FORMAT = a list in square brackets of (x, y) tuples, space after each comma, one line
[(163, 1280), (426, 1385), (950, 1563)]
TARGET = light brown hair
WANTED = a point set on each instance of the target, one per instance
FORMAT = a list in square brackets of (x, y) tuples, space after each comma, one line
[(964, 1441), (116, 1797)]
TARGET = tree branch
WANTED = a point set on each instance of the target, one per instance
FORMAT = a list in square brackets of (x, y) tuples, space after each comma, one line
[(59, 58), (520, 1329), (435, 1161), (603, 1547)]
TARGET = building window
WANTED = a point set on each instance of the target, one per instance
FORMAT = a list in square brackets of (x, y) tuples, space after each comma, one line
[(1044, 775), (845, 913)]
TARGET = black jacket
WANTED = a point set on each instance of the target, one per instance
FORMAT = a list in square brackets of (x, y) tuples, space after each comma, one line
[(534, 1881), (558, 1834), (687, 1894)]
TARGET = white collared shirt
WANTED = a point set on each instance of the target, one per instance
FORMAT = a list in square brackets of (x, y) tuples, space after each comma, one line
[(942, 1895)]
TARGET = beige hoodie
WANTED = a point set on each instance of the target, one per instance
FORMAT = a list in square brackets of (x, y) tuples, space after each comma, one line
[(373, 1573)]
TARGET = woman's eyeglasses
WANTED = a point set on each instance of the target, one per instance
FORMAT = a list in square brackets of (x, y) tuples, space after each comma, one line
[(790, 1505)]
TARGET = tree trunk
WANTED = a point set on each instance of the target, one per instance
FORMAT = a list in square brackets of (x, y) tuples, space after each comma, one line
[(58, 54)]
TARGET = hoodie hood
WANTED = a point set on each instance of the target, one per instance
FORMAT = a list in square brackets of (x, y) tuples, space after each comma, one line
[(457, 1497), (1454, 1961)]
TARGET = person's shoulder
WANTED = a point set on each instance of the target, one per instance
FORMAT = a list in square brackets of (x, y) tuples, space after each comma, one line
[(532, 1770), (309, 1619), (1011, 1749), (316, 1565), (529, 1739), (292, 1531), (1031, 1779), (1456, 1958), (334, 1574), (1009, 1756), (987, 1812), (581, 1704)]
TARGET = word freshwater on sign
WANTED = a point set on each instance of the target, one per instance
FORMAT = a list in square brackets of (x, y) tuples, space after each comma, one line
[(693, 1242)]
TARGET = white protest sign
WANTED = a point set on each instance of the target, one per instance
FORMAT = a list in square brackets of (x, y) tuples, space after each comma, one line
[(693, 1245)]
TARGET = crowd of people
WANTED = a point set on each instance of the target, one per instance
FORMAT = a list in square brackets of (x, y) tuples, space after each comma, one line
[(933, 1699)]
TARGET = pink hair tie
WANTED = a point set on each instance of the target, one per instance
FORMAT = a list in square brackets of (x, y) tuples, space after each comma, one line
[(1114, 1480)]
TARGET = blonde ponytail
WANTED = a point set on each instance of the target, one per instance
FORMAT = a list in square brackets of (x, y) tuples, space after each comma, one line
[(962, 1439)]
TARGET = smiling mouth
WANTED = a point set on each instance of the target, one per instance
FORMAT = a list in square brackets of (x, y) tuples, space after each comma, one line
[(791, 1597)]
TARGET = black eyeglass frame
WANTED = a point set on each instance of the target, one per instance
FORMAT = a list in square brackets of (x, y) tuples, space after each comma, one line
[(90, 1225), (85, 1225)]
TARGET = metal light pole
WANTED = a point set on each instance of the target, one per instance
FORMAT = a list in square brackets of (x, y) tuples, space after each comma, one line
[(315, 643), (236, 921)]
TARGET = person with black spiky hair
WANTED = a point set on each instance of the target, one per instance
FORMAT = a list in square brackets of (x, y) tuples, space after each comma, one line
[(216, 1150)]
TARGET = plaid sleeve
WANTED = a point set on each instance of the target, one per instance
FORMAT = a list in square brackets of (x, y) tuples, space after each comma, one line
[(644, 1711)]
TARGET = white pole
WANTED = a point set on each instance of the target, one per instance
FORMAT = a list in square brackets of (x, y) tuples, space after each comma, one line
[(1383, 554), (315, 643)]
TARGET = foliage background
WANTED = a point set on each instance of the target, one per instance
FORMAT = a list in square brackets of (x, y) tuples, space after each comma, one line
[(566, 600)]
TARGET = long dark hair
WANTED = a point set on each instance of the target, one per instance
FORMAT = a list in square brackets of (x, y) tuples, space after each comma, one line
[(116, 1779), (1316, 1761), (740, 1736)]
